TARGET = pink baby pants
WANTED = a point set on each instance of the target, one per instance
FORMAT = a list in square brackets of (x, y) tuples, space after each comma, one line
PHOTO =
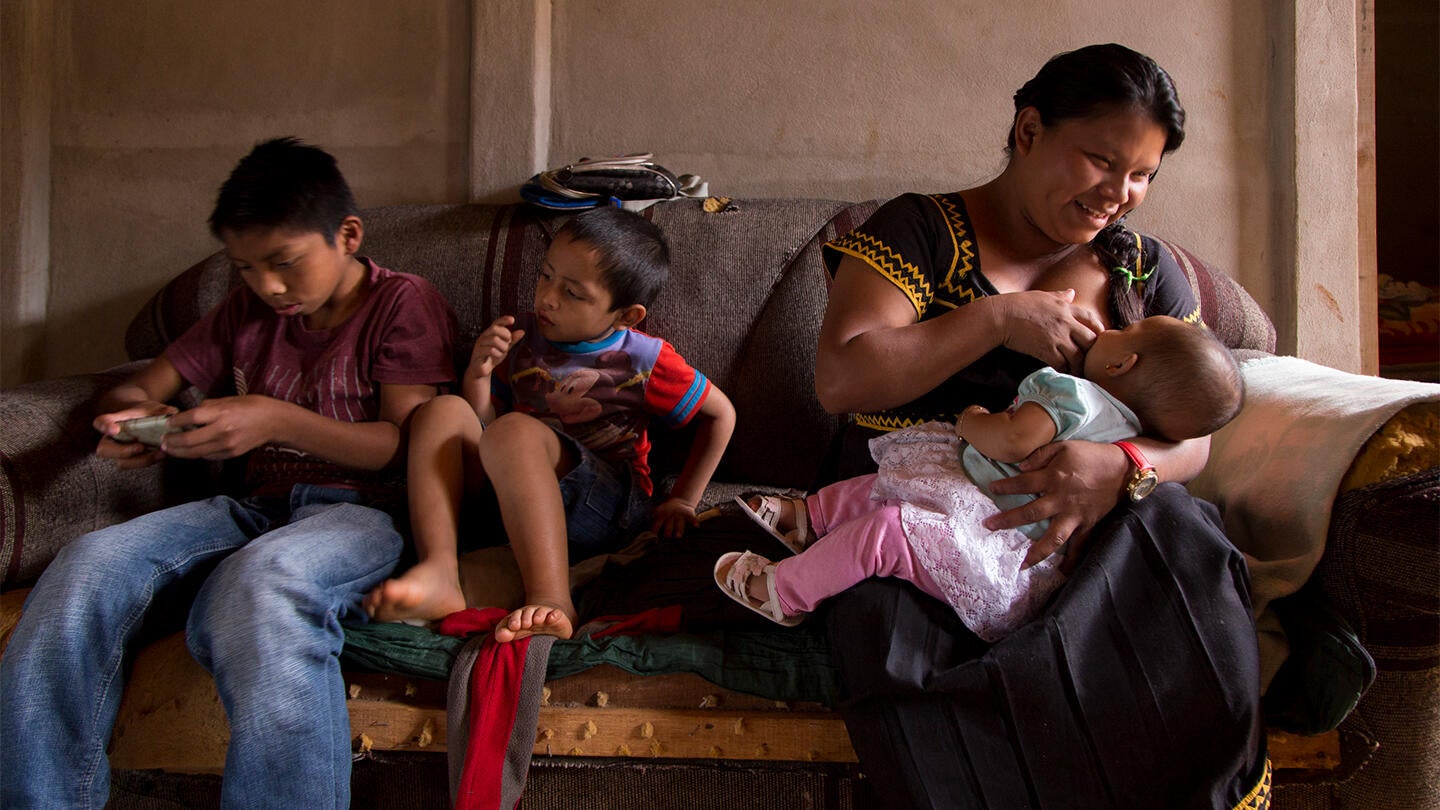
[(858, 539)]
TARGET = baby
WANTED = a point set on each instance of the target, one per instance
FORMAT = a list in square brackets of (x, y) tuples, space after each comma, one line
[(919, 517)]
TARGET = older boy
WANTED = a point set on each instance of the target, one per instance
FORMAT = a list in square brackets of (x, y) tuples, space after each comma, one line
[(312, 369), (554, 418)]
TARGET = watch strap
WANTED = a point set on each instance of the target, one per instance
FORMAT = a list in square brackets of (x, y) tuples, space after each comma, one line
[(1136, 457)]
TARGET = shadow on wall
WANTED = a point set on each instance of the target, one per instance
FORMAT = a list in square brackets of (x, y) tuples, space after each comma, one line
[(23, 353), (90, 339)]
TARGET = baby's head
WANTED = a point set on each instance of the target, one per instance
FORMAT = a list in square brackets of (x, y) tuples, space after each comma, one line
[(1177, 378), (602, 272)]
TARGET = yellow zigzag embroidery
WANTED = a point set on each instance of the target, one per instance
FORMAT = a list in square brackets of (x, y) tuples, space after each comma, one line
[(1259, 796), (889, 264), (956, 279), (882, 422)]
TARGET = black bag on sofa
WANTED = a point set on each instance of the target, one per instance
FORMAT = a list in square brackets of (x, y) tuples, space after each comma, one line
[(588, 183)]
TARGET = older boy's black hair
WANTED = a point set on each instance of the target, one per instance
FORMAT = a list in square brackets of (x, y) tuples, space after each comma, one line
[(631, 253), (284, 183)]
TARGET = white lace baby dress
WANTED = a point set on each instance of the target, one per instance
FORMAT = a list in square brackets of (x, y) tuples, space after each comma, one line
[(941, 508)]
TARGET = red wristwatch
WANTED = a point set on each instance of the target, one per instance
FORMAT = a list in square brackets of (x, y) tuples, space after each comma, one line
[(1144, 480)]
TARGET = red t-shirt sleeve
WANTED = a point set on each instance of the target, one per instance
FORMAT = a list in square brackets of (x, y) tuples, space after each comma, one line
[(675, 391)]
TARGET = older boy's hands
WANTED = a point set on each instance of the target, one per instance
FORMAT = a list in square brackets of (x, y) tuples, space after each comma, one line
[(225, 428), (492, 346), (672, 517), (129, 455)]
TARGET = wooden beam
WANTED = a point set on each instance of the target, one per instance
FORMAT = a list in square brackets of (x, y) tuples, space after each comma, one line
[(171, 718), (693, 734)]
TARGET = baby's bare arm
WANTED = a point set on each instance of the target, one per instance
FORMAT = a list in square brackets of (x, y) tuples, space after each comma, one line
[(490, 348), (1006, 436)]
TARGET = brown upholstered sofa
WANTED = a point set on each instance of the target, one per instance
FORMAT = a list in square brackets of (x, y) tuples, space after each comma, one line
[(744, 305)]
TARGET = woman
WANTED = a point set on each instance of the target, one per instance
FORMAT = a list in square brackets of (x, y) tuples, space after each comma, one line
[(942, 301)]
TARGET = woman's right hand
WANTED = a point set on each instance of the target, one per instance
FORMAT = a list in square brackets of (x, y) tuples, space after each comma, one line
[(1075, 484), (1048, 326)]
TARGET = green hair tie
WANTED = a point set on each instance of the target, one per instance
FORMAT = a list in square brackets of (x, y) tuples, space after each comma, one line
[(1132, 278), (1139, 276)]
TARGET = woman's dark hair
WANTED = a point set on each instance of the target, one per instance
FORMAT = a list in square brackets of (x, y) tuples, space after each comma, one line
[(631, 252), (1119, 250), (284, 183), (1098, 79)]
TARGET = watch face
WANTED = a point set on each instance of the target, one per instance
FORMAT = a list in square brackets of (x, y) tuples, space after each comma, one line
[(1143, 484)]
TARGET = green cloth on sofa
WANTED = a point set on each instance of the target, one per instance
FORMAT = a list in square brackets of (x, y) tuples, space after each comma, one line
[(778, 665), (720, 640)]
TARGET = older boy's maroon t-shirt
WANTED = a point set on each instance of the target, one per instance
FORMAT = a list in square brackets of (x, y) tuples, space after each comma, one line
[(402, 334)]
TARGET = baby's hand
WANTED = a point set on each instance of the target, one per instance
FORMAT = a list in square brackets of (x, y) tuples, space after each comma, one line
[(492, 346), (672, 517), (129, 455), (960, 423)]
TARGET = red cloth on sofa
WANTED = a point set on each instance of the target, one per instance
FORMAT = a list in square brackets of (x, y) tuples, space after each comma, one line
[(495, 689), (497, 754)]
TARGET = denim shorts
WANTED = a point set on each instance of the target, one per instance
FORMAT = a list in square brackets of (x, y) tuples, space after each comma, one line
[(604, 506)]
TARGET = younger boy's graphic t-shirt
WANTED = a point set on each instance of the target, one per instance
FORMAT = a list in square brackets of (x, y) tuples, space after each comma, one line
[(602, 393)]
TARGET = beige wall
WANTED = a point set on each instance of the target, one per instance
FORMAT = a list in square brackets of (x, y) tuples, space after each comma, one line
[(120, 118), (146, 106)]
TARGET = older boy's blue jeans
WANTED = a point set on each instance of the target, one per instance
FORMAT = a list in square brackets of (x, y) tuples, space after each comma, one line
[(274, 580)]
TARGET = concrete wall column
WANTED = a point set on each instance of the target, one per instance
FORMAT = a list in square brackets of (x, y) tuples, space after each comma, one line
[(26, 44)]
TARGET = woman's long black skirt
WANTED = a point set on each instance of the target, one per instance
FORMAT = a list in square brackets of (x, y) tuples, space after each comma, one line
[(1138, 687)]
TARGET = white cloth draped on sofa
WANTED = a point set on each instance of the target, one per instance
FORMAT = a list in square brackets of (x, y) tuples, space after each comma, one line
[(1275, 469)]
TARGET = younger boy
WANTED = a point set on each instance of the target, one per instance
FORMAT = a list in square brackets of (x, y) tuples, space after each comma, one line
[(554, 415), (311, 369), (919, 518)]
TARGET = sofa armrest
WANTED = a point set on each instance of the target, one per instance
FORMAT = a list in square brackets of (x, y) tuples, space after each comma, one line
[(1381, 571), (1276, 469), (54, 488), (1310, 497)]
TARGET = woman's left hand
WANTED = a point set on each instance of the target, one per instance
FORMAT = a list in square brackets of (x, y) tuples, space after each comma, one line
[(1076, 483)]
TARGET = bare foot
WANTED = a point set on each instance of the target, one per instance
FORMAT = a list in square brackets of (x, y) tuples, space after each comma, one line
[(534, 620), (427, 592)]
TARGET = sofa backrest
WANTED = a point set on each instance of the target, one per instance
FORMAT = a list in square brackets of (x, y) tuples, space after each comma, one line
[(743, 304)]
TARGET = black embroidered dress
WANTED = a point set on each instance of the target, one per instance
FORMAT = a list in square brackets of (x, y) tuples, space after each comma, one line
[(1139, 684)]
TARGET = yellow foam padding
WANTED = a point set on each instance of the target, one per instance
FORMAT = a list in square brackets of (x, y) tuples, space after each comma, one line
[(1408, 443), (11, 605)]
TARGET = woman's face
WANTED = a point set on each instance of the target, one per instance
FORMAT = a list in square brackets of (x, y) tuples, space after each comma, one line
[(1083, 173)]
